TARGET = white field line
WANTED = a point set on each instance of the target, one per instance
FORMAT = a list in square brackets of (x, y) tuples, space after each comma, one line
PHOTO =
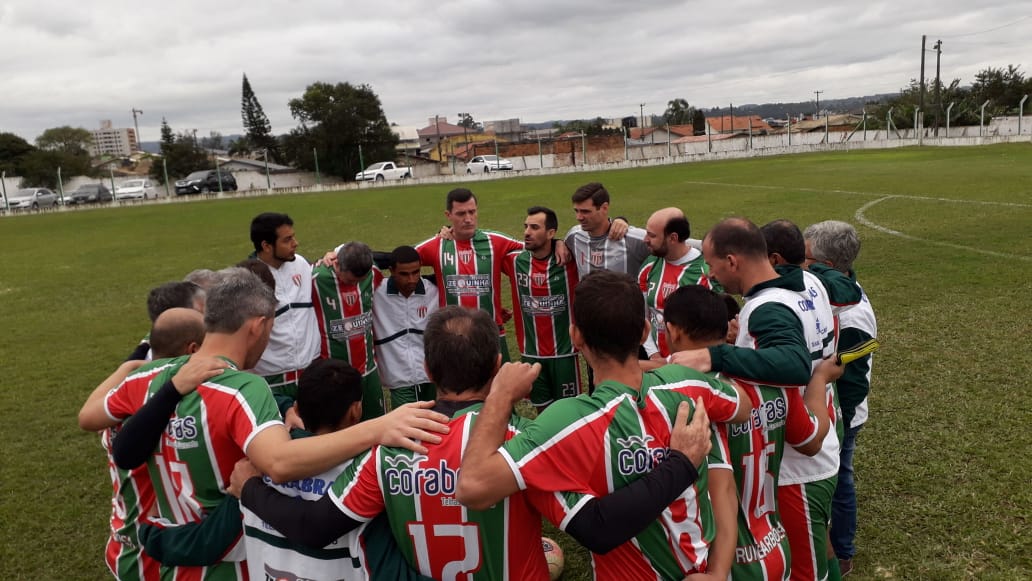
[(861, 218)]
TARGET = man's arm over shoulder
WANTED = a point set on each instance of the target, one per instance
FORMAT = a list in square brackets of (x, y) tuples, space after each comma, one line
[(780, 357)]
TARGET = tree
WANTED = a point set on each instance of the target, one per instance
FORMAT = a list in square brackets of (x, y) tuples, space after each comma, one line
[(336, 120), (256, 123), (13, 150), (679, 112), (596, 126), (699, 122), (69, 140), (181, 155), (213, 141), (466, 120)]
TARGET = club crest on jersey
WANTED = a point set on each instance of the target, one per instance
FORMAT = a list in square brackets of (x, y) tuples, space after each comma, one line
[(297, 279), (351, 298), (598, 258), (666, 289), (465, 256), (636, 457), (540, 278), (421, 312)]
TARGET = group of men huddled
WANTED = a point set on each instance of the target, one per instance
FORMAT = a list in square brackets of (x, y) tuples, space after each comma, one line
[(264, 382)]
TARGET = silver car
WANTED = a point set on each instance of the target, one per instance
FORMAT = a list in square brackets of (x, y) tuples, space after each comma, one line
[(32, 198), (487, 163), (136, 190)]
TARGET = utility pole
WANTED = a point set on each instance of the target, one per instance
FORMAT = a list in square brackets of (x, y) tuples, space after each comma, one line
[(465, 129), (920, 103), (732, 107), (137, 125), (437, 125), (642, 110), (817, 114), (938, 84)]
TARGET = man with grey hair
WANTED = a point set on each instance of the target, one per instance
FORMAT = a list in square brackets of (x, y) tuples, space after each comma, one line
[(836, 244), (342, 294), (202, 430)]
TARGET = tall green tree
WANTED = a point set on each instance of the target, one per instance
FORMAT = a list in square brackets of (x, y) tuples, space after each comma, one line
[(679, 112), (13, 150), (335, 120), (181, 155), (68, 140), (256, 124)]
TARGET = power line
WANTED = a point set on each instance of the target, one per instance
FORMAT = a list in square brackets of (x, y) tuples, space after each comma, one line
[(1011, 23)]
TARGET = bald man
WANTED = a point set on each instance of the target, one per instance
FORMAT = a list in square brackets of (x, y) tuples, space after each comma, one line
[(672, 264)]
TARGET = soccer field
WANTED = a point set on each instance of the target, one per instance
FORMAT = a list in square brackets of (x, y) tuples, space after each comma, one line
[(944, 483)]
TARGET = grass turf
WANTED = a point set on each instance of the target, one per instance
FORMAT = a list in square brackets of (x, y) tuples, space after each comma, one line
[(944, 485)]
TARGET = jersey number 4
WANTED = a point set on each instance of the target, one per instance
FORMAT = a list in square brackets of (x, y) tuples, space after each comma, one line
[(452, 570)]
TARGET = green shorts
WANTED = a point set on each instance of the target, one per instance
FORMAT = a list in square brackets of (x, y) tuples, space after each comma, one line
[(503, 348), (560, 377), (372, 395), (412, 393)]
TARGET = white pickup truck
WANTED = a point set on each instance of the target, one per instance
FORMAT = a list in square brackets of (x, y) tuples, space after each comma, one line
[(384, 170)]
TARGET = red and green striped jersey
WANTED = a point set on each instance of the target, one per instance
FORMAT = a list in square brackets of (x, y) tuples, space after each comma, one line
[(598, 443), (542, 301), (753, 450), (658, 278), (345, 316), (438, 536), (469, 272), (132, 496), (207, 434)]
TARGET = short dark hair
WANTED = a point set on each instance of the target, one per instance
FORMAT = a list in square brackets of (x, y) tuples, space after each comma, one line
[(698, 311), (551, 220), (594, 191), (404, 255), (261, 269), (460, 347), (737, 236), (733, 308), (610, 314), (326, 391), (460, 195), (784, 238), (172, 333), (169, 295), (264, 226), (679, 226)]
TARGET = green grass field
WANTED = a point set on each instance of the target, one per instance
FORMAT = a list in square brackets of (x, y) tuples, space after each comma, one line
[(944, 479)]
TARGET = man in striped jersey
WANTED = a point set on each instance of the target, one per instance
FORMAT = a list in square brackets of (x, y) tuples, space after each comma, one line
[(402, 304), (673, 264), (232, 412), (542, 299), (609, 440), (591, 242), (439, 536), (176, 331), (785, 332), (342, 294), (837, 245), (749, 454), (468, 265), (807, 485)]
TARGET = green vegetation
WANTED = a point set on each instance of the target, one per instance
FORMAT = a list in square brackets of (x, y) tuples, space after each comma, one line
[(944, 482)]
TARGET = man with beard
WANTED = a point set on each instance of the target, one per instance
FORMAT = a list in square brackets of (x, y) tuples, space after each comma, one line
[(673, 264), (294, 342), (542, 297)]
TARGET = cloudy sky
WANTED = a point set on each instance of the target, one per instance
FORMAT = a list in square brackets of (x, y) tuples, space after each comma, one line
[(75, 63)]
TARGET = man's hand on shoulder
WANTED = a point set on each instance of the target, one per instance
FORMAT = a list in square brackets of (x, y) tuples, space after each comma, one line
[(411, 424), (698, 359), (562, 253), (691, 438), (242, 472), (196, 371), (618, 229), (446, 233)]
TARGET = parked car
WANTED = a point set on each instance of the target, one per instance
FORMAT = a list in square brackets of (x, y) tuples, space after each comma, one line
[(32, 198), (204, 181), (384, 170), (486, 163), (90, 194), (137, 190)]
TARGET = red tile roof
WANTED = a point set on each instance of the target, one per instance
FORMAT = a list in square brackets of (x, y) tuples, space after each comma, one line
[(741, 123)]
